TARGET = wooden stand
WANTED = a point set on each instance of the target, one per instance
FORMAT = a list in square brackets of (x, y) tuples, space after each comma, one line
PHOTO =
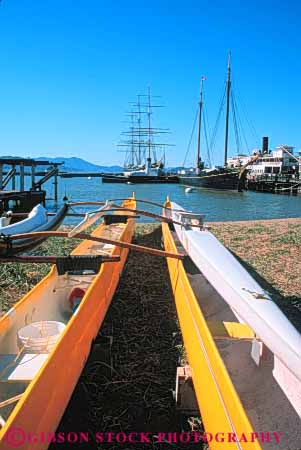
[(186, 403)]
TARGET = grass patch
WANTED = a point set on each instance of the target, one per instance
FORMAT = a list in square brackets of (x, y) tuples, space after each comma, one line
[(272, 250), (16, 279)]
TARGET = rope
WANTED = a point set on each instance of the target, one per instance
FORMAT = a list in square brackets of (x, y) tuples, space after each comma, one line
[(11, 400), (237, 138), (12, 363), (191, 136), (252, 128), (240, 124), (216, 126), (206, 126)]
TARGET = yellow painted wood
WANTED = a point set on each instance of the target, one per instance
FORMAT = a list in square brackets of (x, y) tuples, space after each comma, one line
[(230, 330)]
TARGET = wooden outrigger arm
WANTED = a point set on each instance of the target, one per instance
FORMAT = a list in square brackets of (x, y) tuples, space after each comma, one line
[(145, 213), (96, 203), (137, 211), (84, 236), (148, 202), (89, 219)]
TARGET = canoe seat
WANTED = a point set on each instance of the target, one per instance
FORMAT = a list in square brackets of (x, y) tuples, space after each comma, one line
[(188, 218), (24, 368)]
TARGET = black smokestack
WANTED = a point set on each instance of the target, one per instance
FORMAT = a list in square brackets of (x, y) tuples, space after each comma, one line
[(265, 144)]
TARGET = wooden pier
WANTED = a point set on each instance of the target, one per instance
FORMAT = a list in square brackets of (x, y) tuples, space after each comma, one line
[(276, 184), (13, 170)]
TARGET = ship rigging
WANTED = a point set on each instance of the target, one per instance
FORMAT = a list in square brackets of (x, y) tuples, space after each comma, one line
[(219, 177)]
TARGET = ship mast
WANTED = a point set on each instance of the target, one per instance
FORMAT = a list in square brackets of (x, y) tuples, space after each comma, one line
[(199, 130), (132, 141), (227, 109), (149, 159), (139, 131), (141, 140)]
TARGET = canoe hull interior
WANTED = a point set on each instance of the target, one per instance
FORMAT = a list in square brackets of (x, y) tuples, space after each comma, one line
[(49, 300)]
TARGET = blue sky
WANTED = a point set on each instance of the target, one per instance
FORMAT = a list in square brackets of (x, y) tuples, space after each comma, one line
[(68, 70)]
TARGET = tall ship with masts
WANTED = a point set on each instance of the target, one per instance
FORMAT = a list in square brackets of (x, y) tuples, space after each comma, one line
[(219, 177), (142, 164)]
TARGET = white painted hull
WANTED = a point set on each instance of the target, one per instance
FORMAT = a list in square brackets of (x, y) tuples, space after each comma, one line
[(36, 219)]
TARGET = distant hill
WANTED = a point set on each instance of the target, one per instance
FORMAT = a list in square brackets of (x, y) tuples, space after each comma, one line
[(74, 164)]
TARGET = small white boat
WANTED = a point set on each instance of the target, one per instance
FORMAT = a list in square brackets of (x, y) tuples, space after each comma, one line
[(35, 219)]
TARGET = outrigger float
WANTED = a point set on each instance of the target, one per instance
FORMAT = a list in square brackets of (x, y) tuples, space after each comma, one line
[(37, 220), (244, 354)]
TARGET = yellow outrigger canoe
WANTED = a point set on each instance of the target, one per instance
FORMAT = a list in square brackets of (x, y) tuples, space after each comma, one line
[(36, 387), (247, 400)]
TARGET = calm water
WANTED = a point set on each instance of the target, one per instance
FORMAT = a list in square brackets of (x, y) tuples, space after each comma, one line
[(218, 206)]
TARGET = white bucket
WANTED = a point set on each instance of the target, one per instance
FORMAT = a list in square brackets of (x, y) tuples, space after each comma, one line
[(40, 337)]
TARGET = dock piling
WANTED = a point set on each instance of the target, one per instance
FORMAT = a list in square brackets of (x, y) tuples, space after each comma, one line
[(13, 180), (1, 176), (22, 177), (33, 169), (55, 183)]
